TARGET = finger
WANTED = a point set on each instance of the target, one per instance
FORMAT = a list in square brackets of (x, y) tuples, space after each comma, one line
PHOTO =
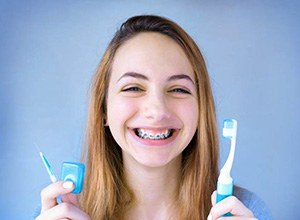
[(237, 218), (230, 204), (214, 198), (70, 198), (49, 194), (64, 211)]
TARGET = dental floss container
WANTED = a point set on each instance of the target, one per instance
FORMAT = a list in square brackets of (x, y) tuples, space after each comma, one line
[(73, 172)]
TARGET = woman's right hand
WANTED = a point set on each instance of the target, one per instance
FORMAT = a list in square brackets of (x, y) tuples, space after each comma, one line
[(68, 209)]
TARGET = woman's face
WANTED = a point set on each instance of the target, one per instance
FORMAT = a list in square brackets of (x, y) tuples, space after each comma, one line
[(152, 107)]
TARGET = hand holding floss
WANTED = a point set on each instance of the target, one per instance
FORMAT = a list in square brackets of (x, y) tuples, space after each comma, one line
[(73, 172)]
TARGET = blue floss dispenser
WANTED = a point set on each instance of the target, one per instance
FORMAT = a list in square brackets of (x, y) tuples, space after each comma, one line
[(73, 172)]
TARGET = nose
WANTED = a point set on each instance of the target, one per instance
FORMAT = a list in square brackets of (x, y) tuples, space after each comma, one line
[(155, 107)]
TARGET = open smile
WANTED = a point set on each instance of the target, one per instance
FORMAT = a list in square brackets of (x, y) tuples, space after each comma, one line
[(154, 137)]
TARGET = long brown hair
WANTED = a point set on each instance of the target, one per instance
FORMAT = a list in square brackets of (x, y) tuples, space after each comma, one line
[(106, 195)]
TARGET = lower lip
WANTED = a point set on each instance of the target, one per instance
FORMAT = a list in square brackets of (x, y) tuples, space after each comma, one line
[(158, 143)]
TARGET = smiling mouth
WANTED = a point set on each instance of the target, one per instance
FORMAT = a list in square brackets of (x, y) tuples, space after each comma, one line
[(150, 135)]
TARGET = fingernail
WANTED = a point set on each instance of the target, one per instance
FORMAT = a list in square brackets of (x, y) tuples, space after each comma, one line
[(209, 217), (68, 185)]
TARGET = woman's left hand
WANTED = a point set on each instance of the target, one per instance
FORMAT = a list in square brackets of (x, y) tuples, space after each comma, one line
[(230, 204)]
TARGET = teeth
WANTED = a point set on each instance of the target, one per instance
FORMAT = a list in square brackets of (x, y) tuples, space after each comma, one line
[(148, 135)]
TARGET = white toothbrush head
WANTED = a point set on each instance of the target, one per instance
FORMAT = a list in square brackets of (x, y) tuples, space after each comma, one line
[(229, 132), (230, 128)]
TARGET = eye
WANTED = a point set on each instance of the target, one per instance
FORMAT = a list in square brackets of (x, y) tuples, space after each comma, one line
[(180, 90), (132, 89)]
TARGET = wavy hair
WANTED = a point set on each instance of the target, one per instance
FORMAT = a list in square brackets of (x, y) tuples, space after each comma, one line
[(106, 195)]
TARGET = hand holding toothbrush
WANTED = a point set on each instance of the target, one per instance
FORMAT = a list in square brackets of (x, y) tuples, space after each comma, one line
[(229, 205), (224, 204)]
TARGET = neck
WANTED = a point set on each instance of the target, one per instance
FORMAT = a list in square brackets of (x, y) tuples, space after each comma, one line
[(155, 189)]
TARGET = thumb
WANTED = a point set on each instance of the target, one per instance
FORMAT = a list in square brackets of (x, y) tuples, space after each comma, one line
[(69, 197)]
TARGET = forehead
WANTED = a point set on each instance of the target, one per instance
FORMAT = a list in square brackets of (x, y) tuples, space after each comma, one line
[(151, 51)]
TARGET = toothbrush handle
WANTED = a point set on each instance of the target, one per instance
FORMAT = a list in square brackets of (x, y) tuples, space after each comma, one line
[(224, 191), (221, 197)]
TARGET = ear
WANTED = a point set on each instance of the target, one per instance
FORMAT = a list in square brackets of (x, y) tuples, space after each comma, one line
[(105, 122)]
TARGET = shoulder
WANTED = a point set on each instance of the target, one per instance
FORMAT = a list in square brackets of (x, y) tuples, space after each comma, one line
[(36, 212), (253, 202)]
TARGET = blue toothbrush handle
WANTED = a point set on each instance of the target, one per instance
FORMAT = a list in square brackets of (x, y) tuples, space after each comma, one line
[(224, 191), (220, 197)]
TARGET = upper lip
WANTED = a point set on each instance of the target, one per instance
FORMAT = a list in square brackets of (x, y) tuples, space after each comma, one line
[(155, 129)]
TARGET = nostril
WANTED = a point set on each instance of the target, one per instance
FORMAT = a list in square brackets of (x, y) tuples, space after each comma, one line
[(157, 112)]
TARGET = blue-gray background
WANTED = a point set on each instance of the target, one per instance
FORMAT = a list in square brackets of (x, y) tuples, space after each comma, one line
[(49, 51)]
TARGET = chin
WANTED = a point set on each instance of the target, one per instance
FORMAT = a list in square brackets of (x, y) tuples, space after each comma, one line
[(156, 161)]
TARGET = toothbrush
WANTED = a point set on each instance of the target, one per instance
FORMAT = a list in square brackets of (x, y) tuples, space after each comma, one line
[(225, 182), (49, 171), (48, 168)]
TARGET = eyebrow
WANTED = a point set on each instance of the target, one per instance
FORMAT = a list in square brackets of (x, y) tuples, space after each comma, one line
[(181, 76), (133, 74), (141, 76)]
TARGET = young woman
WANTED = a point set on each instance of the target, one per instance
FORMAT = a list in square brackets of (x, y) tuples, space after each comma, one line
[(152, 143)]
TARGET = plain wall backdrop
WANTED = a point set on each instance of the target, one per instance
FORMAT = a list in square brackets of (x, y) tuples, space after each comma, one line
[(49, 51)]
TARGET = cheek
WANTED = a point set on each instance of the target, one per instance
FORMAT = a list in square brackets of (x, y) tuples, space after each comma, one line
[(189, 113), (119, 110)]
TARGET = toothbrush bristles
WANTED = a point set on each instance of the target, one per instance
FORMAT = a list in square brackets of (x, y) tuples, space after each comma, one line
[(37, 147), (229, 128), (228, 124)]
